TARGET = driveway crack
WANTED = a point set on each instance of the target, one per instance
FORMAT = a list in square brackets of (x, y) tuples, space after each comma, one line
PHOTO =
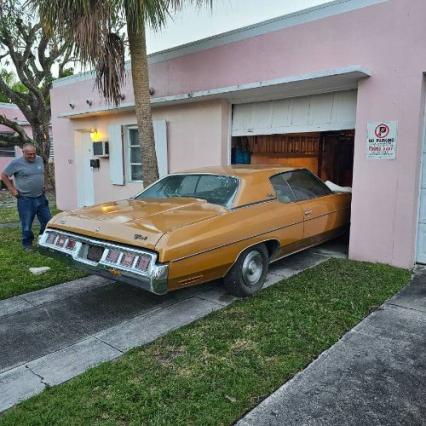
[(409, 308), (43, 382), (109, 344)]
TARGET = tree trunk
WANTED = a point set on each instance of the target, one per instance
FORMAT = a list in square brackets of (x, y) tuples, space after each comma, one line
[(42, 142), (140, 76)]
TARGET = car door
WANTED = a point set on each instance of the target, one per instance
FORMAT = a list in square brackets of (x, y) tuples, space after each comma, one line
[(317, 202)]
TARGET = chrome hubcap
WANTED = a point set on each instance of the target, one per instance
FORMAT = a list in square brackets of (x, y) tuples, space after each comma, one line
[(252, 268)]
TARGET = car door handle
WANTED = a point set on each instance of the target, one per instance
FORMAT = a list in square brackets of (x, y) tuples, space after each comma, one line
[(308, 212)]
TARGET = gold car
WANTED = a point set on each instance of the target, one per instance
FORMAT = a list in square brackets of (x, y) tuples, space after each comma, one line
[(202, 225)]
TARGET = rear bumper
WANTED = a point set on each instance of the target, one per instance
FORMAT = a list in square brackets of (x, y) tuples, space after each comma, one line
[(154, 279)]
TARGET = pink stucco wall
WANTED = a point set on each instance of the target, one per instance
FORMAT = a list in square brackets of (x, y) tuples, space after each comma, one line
[(190, 146), (386, 38)]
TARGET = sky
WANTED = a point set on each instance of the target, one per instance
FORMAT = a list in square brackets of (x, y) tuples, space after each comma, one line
[(193, 23)]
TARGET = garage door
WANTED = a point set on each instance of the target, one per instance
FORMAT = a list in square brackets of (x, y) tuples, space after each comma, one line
[(331, 111), (421, 232)]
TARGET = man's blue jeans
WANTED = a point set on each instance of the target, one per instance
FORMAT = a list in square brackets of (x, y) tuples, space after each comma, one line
[(28, 208)]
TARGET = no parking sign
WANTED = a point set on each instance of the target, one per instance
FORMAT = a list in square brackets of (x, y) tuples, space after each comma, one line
[(381, 140)]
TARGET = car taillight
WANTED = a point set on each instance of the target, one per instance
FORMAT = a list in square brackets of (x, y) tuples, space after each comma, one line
[(71, 244), (113, 256), (51, 237), (61, 241), (143, 262), (128, 259)]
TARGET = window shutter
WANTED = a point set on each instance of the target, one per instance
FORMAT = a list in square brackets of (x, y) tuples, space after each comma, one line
[(116, 167), (160, 137)]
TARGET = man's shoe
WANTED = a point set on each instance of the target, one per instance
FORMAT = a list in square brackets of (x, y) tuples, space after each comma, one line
[(27, 249)]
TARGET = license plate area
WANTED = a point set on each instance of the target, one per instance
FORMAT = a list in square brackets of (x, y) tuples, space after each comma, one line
[(94, 253)]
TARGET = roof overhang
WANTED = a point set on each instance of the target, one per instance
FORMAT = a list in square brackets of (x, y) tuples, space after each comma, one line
[(338, 79)]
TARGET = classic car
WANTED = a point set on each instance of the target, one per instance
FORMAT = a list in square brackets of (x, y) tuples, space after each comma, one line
[(213, 223)]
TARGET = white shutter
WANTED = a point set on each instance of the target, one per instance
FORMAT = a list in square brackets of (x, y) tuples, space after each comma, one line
[(116, 166), (160, 137), (316, 113)]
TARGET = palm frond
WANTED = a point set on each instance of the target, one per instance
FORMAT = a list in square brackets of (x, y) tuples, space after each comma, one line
[(91, 23), (110, 72), (154, 13)]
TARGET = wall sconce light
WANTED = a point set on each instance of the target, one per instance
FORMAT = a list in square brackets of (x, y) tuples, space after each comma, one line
[(89, 102), (151, 91), (95, 135)]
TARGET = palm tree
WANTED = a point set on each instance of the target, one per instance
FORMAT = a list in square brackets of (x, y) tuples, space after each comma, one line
[(93, 24)]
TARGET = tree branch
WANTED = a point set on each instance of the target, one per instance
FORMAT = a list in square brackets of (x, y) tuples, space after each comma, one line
[(8, 140), (22, 100), (17, 59), (16, 127)]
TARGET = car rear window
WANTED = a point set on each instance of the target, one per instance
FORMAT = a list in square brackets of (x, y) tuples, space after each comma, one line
[(298, 185), (215, 189), (282, 189)]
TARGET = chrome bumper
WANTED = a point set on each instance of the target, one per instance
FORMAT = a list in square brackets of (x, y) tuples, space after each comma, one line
[(154, 279)]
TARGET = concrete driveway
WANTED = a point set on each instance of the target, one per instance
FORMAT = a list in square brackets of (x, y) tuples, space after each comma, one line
[(52, 335)]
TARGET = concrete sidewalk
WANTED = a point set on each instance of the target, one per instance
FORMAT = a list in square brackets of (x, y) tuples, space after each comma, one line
[(375, 375), (49, 336)]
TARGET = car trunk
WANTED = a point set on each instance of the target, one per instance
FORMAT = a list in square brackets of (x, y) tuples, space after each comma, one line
[(135, 223)]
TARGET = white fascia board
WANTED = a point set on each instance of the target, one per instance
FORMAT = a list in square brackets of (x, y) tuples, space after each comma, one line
[(326, 127), (8, 106), (127, 106), (312, 83), (304, 16)]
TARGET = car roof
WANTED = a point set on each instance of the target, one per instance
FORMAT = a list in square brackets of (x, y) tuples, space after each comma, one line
[(255, 186), (243, 170)]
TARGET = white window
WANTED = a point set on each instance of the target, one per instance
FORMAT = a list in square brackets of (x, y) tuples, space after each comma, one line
[(134, 168), (132, 155)]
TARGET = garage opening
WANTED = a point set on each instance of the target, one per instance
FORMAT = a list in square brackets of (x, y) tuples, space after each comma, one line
[(316, 132), (327, 154)]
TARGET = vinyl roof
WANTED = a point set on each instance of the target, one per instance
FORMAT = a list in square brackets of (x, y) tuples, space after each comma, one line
[(255, 186)]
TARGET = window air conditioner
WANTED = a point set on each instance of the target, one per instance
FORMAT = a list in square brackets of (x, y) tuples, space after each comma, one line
[(101, 149)]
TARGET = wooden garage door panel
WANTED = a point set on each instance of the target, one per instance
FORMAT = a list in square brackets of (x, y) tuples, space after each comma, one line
[(330, 111)]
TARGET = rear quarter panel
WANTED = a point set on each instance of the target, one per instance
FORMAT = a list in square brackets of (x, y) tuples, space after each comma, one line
[(205, 251)]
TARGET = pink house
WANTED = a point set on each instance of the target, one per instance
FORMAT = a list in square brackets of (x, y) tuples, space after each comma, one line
[(12, 112), (337, 88), (9, 152)]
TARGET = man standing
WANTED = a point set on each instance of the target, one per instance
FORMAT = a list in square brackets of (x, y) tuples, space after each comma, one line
[(28, 188)]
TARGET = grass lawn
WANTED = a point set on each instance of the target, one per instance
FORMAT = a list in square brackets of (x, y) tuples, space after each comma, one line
[(213, 371), (9, 212), (15, 276), (9, 215)]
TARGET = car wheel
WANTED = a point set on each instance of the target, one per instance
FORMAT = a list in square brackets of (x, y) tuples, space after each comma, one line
[(248, 274)]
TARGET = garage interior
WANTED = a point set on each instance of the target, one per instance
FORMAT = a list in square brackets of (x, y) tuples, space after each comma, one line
[(329, 154), (316, 132)]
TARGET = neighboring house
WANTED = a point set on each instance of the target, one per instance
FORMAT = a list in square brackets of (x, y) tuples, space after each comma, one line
[(9, 152), (337, 88)]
